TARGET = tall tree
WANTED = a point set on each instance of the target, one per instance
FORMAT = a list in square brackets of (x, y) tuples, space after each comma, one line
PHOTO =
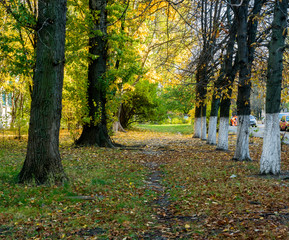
[(212, 132), (271, 153), (244, 85), (211, 15), (227, 85), (95, 131), (43, 162), (246, 39)]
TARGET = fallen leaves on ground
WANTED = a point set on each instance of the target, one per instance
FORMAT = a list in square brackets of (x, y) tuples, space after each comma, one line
[(199, 193)]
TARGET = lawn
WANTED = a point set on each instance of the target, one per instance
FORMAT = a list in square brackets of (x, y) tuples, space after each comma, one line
[(161, 186), (167, 128)]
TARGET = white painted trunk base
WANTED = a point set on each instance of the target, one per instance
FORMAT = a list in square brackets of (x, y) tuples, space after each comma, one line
[(212, 133), (223, 134), (204, 128), (242, 146), (271, 152), (198, 128)]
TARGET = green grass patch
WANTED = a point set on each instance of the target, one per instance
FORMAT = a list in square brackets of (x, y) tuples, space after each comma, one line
[(117, 204), (167, 128)]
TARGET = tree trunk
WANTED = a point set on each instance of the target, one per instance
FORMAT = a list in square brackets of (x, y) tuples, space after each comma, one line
[(95, 132), (198, 122), (244, 87), (271, 153), (227, 85), (246, 48), (43, 162), (212, 133), (117, 125), (204, 121), (209, 21), (201, 91)]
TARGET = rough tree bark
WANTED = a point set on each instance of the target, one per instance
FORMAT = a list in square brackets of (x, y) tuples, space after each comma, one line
[(210, 18), (212, 132), (271, 153), (198, 122), (95, 132), (230, 73), (244, 85), (201, 91), (43, 162), (246, 37)]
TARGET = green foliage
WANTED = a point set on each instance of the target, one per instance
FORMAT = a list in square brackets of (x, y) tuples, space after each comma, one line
[(74, 112), (179, 98), (17, 38), (141, 104), (168, 128)]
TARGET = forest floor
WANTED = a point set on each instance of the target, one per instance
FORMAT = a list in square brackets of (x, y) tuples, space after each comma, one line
[(160, 186)]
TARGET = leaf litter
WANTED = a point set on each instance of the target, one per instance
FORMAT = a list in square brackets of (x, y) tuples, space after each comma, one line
[(170, 186)]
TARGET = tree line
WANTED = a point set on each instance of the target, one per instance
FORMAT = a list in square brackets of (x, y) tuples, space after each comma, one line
[(105, 48), (246, 35)]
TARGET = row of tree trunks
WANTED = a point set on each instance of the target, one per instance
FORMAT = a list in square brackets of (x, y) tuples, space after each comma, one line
[(223, 91), (271, 153), (230, 73), (211, 14), (220, 87), (246, 38)]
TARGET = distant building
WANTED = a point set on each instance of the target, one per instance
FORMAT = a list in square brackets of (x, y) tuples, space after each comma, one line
[(5, 109)]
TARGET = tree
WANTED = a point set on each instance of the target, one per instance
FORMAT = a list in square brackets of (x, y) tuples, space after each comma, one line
[(244, 85), (95, 130), (223, 86), (43, 162), (211, 15), (212, 132), (140, 103), (17, 56), (246, 39), (179, 98), (271, 153), (230, 69)]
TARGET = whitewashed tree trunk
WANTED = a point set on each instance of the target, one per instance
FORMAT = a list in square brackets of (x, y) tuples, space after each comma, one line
[(242, 146), (198, 128), (204, 128), (212, 134), (271, 153), (223, 134)]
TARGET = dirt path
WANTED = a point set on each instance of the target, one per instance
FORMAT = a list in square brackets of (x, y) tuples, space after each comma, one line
[(162, 230), (200, 193), (155, 154), (165, 219)]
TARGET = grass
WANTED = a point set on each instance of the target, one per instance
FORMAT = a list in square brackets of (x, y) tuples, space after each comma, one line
[(211, 196), (116, 183), (167, 128)]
